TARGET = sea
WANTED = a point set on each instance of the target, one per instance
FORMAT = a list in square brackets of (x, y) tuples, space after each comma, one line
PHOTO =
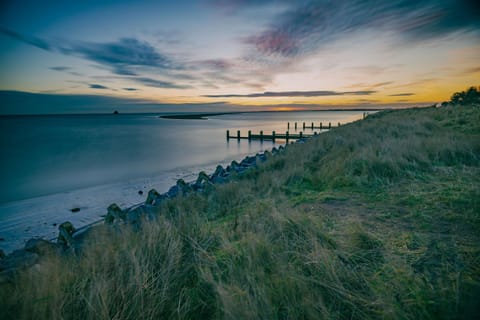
[(51, 164)]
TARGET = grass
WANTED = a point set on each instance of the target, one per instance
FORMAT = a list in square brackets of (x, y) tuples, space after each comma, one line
[(376, 219)]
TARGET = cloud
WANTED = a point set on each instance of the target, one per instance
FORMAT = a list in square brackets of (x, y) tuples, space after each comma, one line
[(60, 68), (311, 25), (218, 64), (402, 94), (34, 41), (130, 89), (472, 70), (122, 56), (292, 94), (158, 83), (97, 86)]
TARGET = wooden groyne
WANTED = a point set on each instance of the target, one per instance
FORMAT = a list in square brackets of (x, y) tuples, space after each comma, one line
[(312, 126), (272, 137), (281, 136)]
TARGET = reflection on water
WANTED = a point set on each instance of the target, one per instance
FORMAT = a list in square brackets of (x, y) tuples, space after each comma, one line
[(56, 163), (44, 155)]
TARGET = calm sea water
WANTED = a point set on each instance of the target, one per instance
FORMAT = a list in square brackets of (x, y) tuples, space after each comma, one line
[(50, 164)]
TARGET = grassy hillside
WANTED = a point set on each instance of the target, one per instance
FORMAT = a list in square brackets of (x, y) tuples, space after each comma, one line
[(376, 219)]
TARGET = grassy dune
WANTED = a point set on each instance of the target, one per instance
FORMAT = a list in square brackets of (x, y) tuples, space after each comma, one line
[(376, 219)]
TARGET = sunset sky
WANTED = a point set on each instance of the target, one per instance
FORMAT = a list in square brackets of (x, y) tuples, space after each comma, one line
[(286, 54)]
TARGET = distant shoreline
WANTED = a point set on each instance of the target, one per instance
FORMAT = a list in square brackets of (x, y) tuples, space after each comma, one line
[(199, 116), (204, 116), (184, 115)]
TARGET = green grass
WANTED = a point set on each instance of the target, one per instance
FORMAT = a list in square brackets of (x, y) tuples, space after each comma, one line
[(376, 219)]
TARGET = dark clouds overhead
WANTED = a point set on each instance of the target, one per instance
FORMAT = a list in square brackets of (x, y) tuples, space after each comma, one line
[(311, 25)]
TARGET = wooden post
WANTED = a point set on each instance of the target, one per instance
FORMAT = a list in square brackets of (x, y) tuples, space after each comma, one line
[(238, 135), (321, 126), (304, 126), (286, 136), (273, 136), (301, 134), (329, 125), (288, 125), (339, 124), (261, 135), (312, 125), (228, 135), (295, 126), (249, 135)]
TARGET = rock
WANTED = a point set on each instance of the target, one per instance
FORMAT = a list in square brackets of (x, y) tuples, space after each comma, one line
[(152, 196), (218, 179), (135, 215), (75, 209), (274, 151), (114, 212), (140, 192), (202, 180), (7, 276), (247, 162), (41, 246), (173, 192), (66, 231), (18, 259), (219, 171), (183, 186)]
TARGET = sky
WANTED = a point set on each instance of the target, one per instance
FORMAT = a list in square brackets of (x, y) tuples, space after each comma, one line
[(270, 54)]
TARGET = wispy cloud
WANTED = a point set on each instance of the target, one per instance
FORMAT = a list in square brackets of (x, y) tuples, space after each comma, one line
[(60, 68), (130, 89), (97, 86), (311, 25), (122, 56), (33, 41), (159, 83), (402, 94), (292, 94)]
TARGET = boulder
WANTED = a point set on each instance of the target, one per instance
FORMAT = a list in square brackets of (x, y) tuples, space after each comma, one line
[(7, 276), (41, 246), (173, 191), (202, 180), (18, 259), (152, 196), (219, 171), (65, 236), (114, 213), (219, 179), (135, 215), (183, 186)]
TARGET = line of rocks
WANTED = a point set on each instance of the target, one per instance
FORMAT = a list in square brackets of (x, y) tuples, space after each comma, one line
[(71, 240)]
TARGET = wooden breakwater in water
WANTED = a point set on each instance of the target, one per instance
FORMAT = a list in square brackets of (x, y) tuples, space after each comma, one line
[(281, 136), (272, 137), (312, 126)]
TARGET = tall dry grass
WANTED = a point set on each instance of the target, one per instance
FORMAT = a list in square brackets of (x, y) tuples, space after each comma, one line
[(376, 219)]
